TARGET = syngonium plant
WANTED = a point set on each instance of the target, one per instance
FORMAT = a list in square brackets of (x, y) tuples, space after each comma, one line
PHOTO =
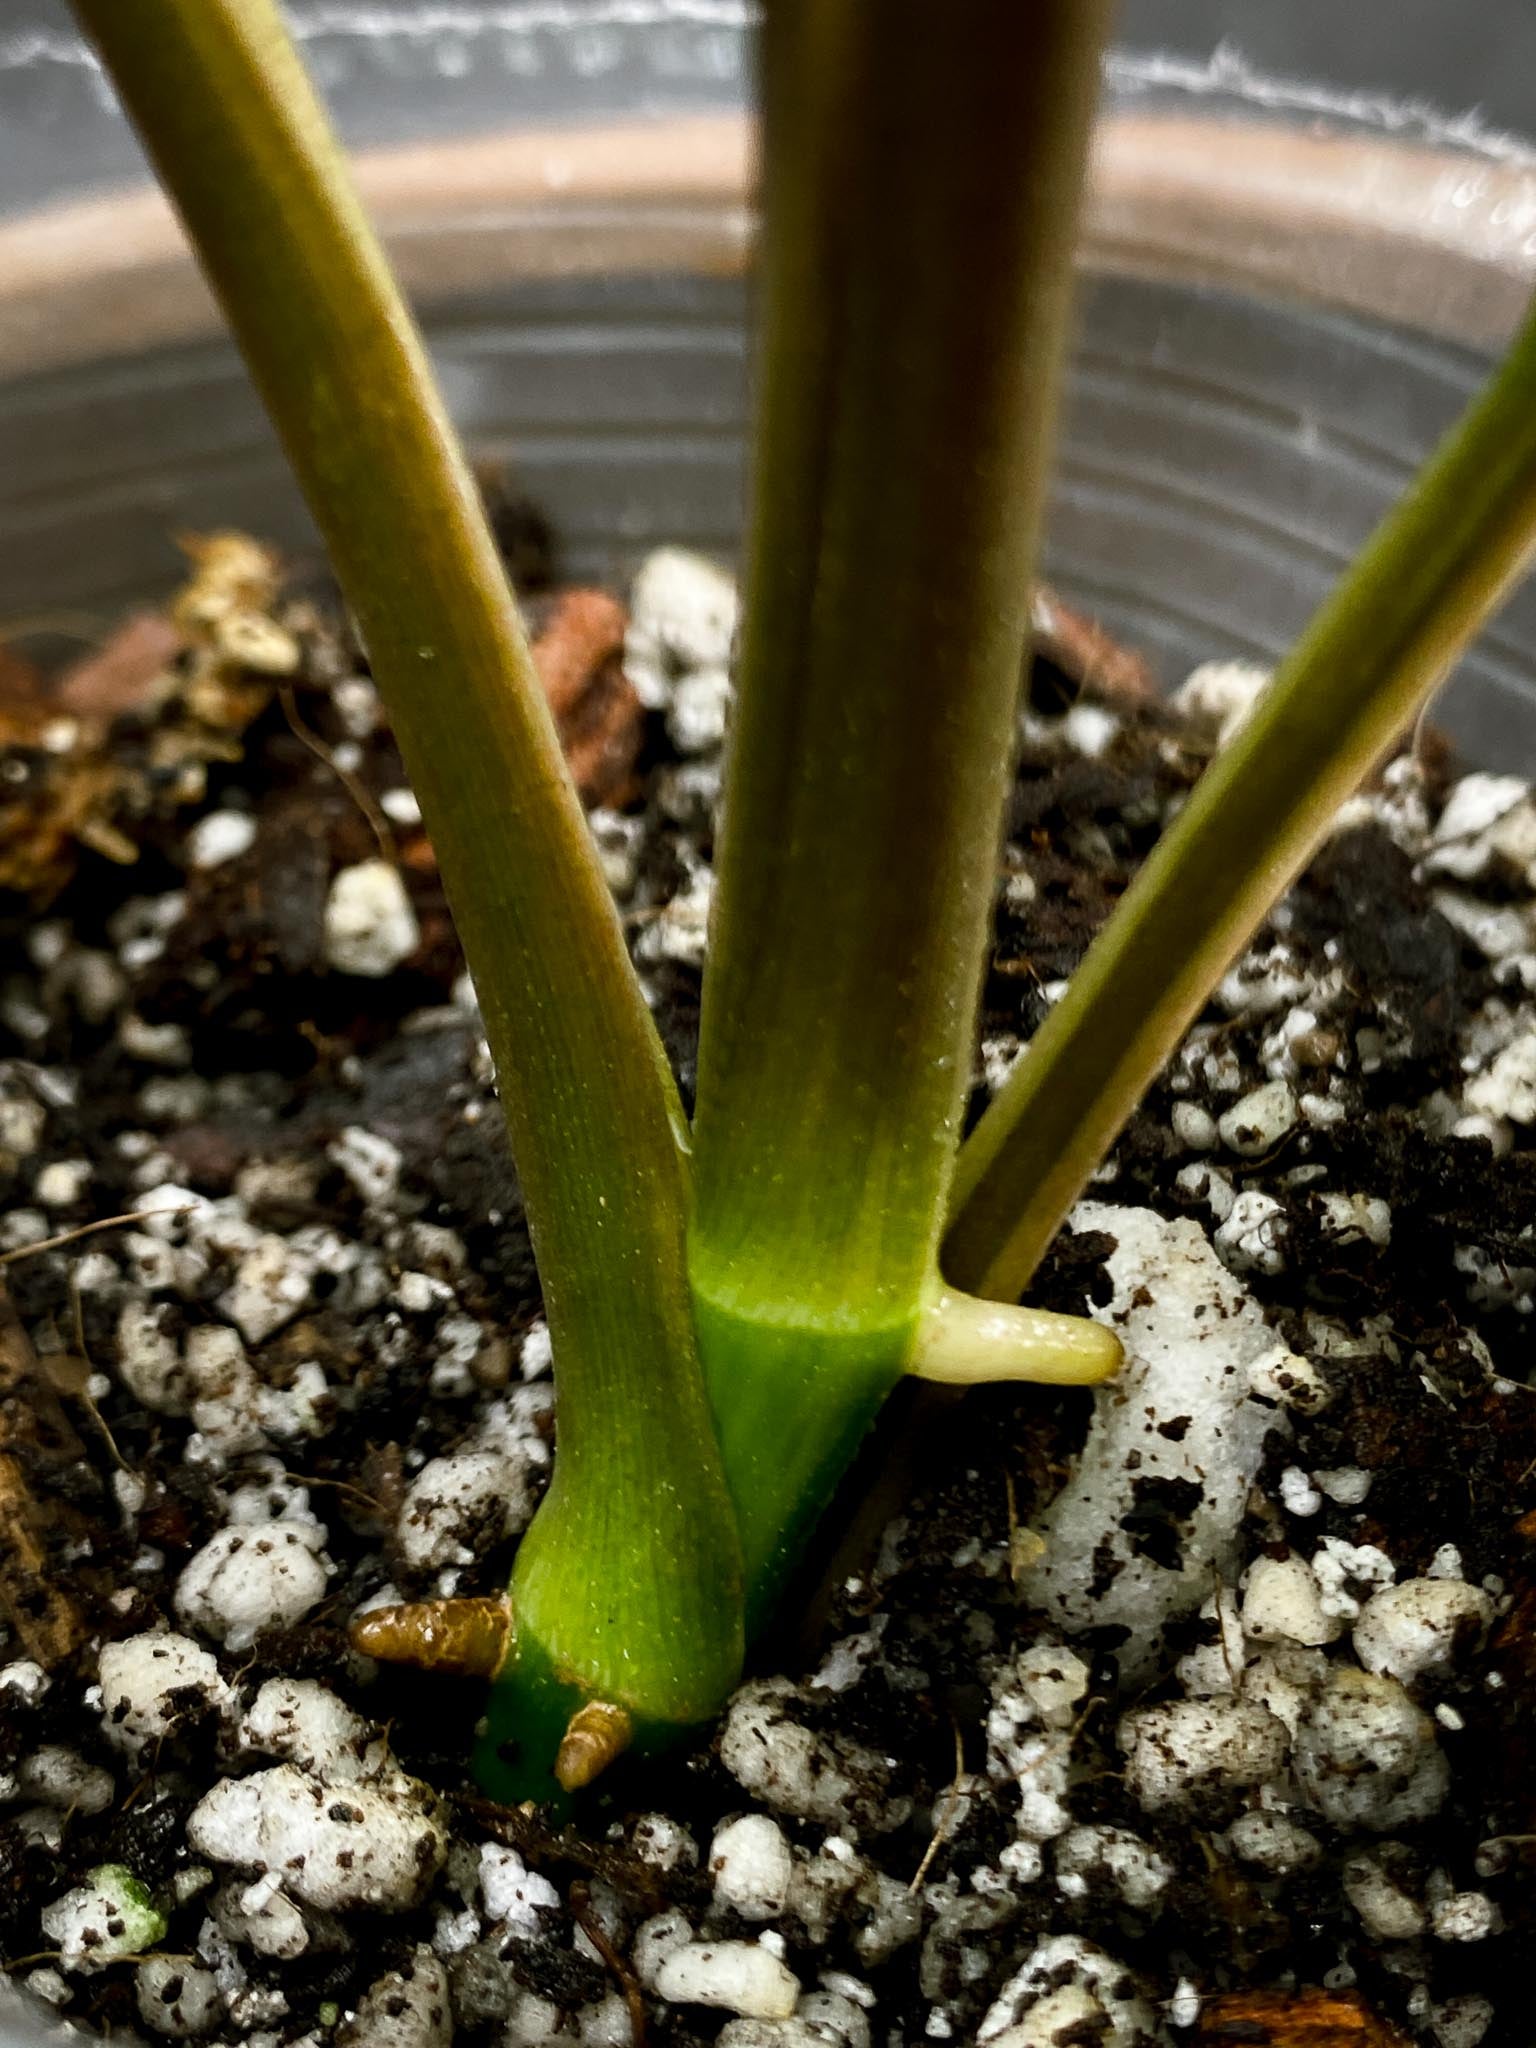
[(730, 1305)]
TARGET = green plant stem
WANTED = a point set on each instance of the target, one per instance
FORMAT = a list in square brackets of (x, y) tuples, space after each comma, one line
[(923, 170), (626, 1587), (1430, 577)]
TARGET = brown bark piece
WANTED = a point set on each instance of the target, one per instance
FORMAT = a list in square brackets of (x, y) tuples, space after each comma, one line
[(1082, 649), (34, 1434), (119, 676), (1294, 2019), (579, 653)]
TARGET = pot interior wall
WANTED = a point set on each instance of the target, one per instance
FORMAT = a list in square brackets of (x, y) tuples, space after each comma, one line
[(1221, 457)]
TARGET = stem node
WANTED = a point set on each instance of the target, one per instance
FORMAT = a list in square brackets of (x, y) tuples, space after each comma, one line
[(966, 1342)]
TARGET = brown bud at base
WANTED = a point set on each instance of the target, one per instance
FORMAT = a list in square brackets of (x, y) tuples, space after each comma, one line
[(596, 1734), (455, 1638)]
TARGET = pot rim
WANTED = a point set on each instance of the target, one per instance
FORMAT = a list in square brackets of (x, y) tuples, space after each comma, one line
[(1415, 232)]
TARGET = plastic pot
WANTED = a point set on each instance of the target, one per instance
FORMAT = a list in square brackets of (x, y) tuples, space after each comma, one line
[(1281, 311)]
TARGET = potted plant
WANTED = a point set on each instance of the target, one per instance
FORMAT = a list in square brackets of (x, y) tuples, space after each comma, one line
[(729, 1309)]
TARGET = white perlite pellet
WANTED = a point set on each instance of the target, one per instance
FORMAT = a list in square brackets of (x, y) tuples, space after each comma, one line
[(1464, 1916), (682, 619), (536, 1353), (656, 1939), (1180, 1410), (1387, 1911), (24, 1679), (1298, 1496), (1273, 1842), (22, 1123), (261, 1917), (1366, 1757), (1191, 1753), (1221, 693), (102, 1921), (59, 1777), (271, 1284), (1281, 1603), (733, 1976), (370, 1162), (1068, 1985), (177, 1997), (156, 1045), (247, 1579), (1034, 1703), (680, 930), (303, 1722), (459, 1505), (663, 1842), (400, 806), (1253, 1237), (1352, 1219), (376, 1844), (62, 1183), (1462, 2022), (832, 2017), (406, 2008), (700, 711), (791, 2033), (1346, 1484), (794, 1770), (1506, 1088), (1184, 2006), (148, 1360), (1114, 1857), (221, 836), (1416, 1630), (154, 1685), (752, 1867), (1348, 1573), (514, 1895), (1194, 1127), (1255, 1125), (370, 926), (50, 1986), (1487, 819)]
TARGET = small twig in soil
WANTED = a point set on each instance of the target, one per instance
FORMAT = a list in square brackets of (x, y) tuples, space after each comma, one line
[(1063, 1744), (341, 1485), (614, 1963), (361, 796), (150, 1777), (53, 1244), (82, 1393), (946, 1817)]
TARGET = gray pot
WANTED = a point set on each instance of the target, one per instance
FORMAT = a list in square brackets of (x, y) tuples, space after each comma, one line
[(1284, 303), (1286, 300)]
